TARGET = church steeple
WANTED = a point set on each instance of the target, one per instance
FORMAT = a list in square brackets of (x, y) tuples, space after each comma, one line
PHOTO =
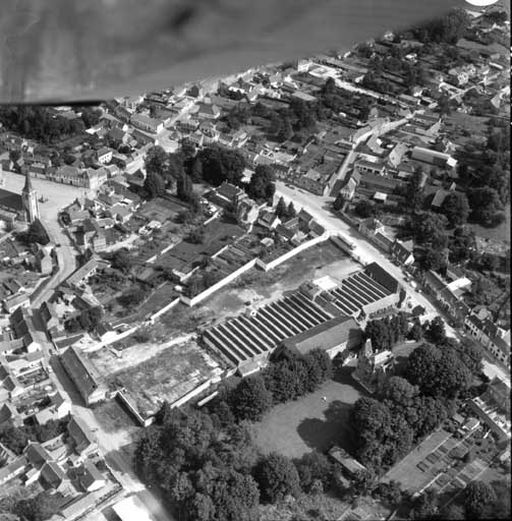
[(29, 199), (28, 183)]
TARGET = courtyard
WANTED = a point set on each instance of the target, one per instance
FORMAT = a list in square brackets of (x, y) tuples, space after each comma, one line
[(314, 422)]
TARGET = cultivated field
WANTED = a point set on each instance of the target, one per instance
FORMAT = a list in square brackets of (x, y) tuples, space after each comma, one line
[(309, 423)]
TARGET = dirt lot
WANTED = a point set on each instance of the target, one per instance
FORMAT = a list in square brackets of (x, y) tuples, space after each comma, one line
[(154, 373), (257, 287)]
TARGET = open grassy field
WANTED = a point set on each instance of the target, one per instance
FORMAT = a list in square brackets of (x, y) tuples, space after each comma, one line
[(309, 423)]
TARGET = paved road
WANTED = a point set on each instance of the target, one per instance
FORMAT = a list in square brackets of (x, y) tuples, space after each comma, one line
[(320, 208)]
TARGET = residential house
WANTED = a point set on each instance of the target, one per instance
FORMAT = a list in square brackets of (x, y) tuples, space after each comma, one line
[(447, 295), (227, 195), (376, 232), (58, 409), (493, 408), (268, 219), (43, 260), (147, 123), (89, 477), (52, 476), (104, 155), (368, 167), (490, 336), (348, 190), (402, 251), (396, 155), (13, 302), (82, 439), (84, 272), (12, 470), (208, 111)]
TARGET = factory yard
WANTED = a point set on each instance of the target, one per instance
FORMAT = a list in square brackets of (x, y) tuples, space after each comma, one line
[(152, 374), (257, 288)]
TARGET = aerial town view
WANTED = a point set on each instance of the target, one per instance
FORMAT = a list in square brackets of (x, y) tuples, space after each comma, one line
[(280, 294)]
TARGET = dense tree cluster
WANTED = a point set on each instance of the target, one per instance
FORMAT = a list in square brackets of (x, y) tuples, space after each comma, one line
[(203, 470), (455, 208), (387, 332), (16, 438), (485, 172), (40, 123), (87, 320), (277, 477), (479, 500), (262, 184), (438, 371), (122, 260), (219, 164), (444, 30), (36, 508), (408, 408)]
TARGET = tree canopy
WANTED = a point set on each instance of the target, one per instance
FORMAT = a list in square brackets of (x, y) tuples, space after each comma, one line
[(221, 164), (456, 209), (438, 372), (262, 184), (277, 477)]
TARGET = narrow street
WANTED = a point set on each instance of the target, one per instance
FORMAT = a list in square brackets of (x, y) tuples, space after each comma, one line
[(113, 446)]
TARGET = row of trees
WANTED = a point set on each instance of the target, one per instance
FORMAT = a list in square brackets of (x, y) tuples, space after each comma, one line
[(282, 381), (284, 211), (408, 408)]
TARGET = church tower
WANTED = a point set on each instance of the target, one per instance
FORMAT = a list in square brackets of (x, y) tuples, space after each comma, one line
[(29, 201)]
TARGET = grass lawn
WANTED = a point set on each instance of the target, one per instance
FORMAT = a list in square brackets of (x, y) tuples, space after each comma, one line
[(309, 423), (499, 233)]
